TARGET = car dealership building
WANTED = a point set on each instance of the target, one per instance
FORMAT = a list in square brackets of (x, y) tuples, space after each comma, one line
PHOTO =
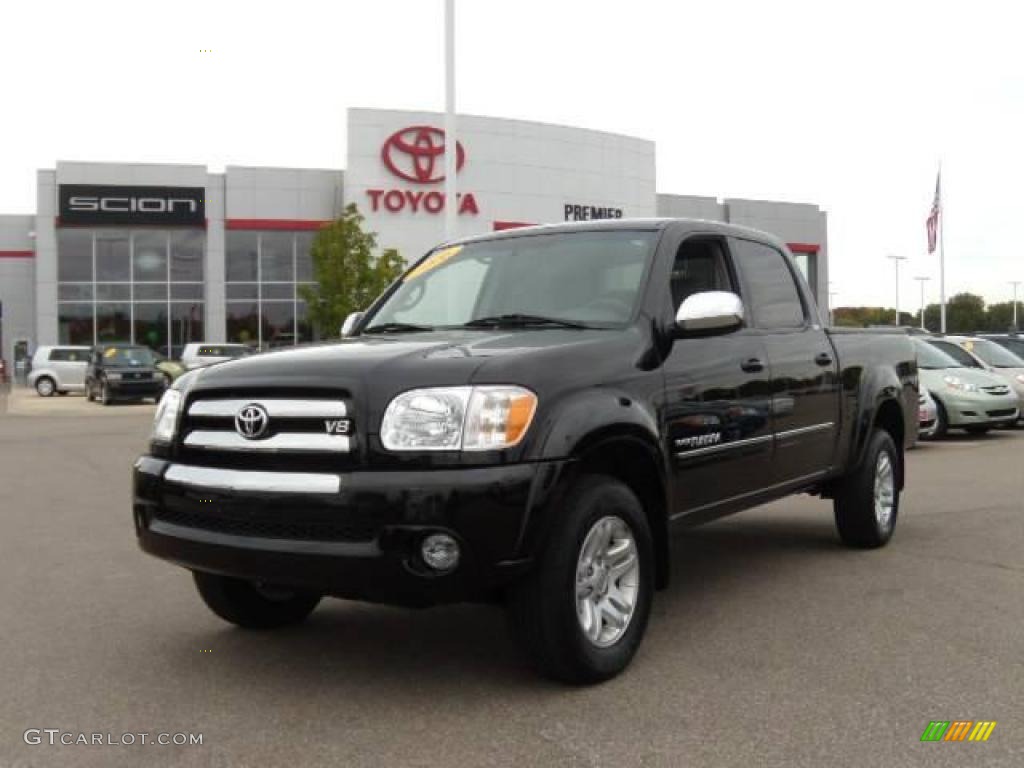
[(167, 254)]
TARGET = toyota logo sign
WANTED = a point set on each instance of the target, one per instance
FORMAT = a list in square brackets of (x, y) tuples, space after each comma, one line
[(416, 154), (252, 421)]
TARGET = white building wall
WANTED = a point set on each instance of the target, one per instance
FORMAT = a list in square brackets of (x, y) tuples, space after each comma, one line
[(213, 291), (516, 171), (17, 283), (46, 258)]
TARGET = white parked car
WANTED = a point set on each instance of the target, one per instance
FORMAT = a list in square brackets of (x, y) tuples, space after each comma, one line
[(58, 370), (200, 355)]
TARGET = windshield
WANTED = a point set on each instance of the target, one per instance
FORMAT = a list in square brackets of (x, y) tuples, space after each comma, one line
[(1015, 345), (958, 353), (590, 279), (128, 356), (993, 354), (932, 358)]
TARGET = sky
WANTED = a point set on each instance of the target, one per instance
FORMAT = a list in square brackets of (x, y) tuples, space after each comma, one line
[(851, 106)]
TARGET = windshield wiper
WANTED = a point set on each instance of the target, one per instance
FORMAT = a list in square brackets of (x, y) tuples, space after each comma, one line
[(396, 328), (518, 320)]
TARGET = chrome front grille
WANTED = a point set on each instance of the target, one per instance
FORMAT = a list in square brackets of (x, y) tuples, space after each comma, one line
[(998, 389), (292, 426)]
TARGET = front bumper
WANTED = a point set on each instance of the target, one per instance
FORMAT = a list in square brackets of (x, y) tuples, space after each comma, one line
[(987, 410), (354, 535), (131, 388)]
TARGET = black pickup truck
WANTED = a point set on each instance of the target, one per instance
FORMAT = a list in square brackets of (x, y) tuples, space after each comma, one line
[(528, 417)]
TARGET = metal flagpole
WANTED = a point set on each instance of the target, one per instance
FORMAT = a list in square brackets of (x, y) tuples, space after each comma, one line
[(450, 140), (1015, 283), (942, 258)]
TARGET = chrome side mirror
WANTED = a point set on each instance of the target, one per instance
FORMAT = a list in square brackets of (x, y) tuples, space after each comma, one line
[(710, 311), (350, 323)]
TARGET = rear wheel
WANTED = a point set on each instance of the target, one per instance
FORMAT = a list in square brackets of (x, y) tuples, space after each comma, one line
[(251, 605), (105, 397), (45, 386), (582, 612), (867, 501), (89, 396)]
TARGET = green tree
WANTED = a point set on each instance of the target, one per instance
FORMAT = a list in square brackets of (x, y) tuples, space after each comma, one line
[(965, 313), (1000, 316), (348, 274)]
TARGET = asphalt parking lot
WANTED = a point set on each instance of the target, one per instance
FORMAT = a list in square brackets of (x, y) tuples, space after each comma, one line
[(774, 646)]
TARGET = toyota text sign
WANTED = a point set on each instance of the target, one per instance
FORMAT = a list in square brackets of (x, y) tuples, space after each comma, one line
[(132, 205)]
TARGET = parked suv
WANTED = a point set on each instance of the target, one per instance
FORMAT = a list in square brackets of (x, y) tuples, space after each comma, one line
[(58, 370), (123, 372), (199, 355)]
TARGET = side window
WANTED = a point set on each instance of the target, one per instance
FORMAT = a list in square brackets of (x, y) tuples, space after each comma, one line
[(58, 355), (700, 265), (774, 301)]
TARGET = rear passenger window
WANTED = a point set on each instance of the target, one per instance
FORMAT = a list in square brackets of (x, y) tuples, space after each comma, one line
[(773, 301)]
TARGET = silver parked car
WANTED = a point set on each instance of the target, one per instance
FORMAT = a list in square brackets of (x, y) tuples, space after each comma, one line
[(200, 355), (994, 358), (966, 397), (58, 370)]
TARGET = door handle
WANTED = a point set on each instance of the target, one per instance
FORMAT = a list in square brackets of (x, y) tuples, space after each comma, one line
[(752, 365), (823, 358)]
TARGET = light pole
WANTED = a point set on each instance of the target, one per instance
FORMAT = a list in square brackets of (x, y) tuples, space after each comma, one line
[(1015, 283), (451, 144), (896, 261), (922, 281)]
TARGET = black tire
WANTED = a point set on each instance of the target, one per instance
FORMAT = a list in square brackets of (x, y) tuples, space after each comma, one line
[(45, 386), (857, 521), (941, 421), (62, 392), (105, 397), (977, 430), (253, 607), (542, 608), (89, 396)]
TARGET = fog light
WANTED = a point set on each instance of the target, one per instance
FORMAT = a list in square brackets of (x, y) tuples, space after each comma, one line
[(440, 552)]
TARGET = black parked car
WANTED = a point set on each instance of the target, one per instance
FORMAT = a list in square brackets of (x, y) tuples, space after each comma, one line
[(123, 372), (528, 416)]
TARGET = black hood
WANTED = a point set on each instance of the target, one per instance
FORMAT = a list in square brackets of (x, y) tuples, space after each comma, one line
[(373, 369)]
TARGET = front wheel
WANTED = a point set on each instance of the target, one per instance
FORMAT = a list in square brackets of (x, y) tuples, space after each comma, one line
[(45, 386), (105, 397), (868, 499), (582, 612), (254, 606)]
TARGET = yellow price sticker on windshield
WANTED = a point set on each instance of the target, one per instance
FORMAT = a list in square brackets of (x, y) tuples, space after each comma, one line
[(969, 345), (433, 261), (110, 352)]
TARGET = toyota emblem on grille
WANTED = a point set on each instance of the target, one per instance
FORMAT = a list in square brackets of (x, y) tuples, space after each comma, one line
[(251, 421)]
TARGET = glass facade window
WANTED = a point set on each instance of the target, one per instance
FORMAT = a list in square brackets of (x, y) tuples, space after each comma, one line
[(264, 271), (141, 286)]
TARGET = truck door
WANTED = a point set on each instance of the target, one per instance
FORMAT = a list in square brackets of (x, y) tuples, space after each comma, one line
[(716, 416), (804, 380)]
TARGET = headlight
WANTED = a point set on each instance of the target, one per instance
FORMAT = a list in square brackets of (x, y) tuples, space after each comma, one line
[(458, 418), (165, 422), (954, 382), (1020, 378)]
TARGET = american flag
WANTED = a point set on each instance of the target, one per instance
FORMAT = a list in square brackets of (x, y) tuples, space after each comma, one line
[(932, 223)]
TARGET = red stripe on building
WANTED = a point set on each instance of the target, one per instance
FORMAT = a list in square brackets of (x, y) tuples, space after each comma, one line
[(500, 225), (804, 247), (17, 254), (282, 224)]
